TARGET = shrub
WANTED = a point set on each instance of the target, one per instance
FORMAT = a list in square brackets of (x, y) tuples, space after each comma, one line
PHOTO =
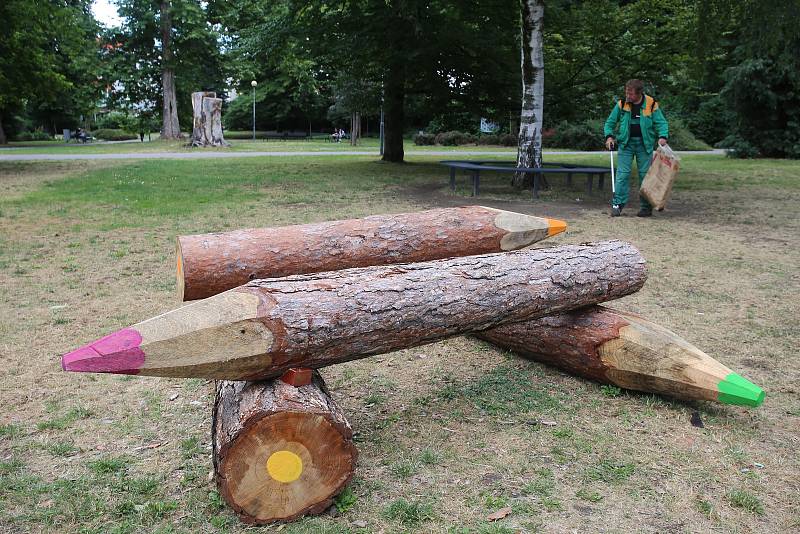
[(738, 147), (37, 135), (454, 138), (423, 139), (111, 134), (508, 139), (586, 135), (113, 120), (455, 121), (489, 139), (680, 138)]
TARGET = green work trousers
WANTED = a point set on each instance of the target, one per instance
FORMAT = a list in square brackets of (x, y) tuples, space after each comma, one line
[(634, 149)]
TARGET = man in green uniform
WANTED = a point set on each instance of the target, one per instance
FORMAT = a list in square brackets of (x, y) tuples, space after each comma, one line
[(640, 121)]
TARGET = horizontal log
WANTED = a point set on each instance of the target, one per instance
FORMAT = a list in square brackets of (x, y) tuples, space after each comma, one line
[(208, 264), (280, 451), (628, 351), (262, 329)]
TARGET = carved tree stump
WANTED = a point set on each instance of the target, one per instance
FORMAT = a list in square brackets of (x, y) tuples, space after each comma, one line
[(280, 451), (207, 124)]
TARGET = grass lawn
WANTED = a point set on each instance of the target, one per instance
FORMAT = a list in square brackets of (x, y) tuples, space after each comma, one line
[(447, 433), (237, 145)]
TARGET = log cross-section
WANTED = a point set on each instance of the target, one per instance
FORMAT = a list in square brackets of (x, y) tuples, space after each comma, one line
[(280, 451)]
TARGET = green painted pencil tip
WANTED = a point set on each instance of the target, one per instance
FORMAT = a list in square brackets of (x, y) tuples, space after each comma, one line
[(735, 389)]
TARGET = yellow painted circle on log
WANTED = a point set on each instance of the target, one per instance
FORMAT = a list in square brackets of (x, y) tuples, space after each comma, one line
[(284, 466)]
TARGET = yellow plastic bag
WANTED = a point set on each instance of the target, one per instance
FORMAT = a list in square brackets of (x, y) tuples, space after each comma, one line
[(657, 184)]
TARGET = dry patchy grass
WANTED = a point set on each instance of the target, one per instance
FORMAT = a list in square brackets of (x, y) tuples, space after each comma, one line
[(448, 433)]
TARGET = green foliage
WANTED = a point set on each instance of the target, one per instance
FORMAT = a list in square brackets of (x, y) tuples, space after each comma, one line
[(114, 120), (454, 138), (463, 121), (585, 135), (746, 501), (113, 135), (610, 391), (680, 138), (424, 139), (37, 135), (409, 513), (765, 94), (64, 421), (345, 500), (48, 62), (610, 471), (133, 56), (10, 430)]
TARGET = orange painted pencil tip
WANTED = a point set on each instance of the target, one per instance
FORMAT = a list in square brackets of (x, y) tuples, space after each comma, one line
[(555, 226)]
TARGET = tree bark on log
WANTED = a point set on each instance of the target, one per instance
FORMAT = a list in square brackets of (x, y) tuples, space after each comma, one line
[(208, 264), (625, 350), (207, 120), (529, 151), (280, 451), (265, 327)]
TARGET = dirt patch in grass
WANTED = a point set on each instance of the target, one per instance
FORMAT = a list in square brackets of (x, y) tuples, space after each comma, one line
[(447, 433)]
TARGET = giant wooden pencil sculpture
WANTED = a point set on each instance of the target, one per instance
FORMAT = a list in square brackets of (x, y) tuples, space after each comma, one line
[(628, 351), (212, 263), (280, 451), (263, 328)]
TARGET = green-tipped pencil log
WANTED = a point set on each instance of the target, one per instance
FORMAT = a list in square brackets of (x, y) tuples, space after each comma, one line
[(212, 263), (263, 328), (628, 351)]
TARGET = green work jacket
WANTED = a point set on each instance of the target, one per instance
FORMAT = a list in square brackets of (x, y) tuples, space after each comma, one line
[(651, 121)]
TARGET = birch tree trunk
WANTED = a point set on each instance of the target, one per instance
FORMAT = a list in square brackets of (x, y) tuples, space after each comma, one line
[(529, 151), (170, 129)]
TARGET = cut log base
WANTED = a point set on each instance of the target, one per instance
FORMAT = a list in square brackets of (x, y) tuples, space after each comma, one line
[(280, 451)]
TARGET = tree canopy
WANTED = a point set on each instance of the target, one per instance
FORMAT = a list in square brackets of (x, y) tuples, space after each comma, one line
[(727, 69)]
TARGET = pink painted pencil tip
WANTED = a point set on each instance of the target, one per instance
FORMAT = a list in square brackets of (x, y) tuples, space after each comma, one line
[(118, 353)]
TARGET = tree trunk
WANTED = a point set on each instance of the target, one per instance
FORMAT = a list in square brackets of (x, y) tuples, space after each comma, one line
[(626, 350), (395, 94), (208, 264), (529, 151), (355, 128), (3, 138), (170, 129), (207, 120), (280, 451), (262, 329)]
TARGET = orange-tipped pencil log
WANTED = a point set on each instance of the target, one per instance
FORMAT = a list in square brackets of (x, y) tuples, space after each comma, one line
[(208, 264), (628, 351), (280, 451), (264, 328)]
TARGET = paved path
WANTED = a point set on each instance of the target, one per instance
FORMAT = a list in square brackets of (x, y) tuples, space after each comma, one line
[(217, 154)]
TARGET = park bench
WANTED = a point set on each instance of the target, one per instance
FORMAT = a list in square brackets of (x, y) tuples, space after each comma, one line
[(474, 168)]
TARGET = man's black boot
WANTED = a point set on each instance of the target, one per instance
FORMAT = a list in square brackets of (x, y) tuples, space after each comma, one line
[(645, 212), (616, 210)]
